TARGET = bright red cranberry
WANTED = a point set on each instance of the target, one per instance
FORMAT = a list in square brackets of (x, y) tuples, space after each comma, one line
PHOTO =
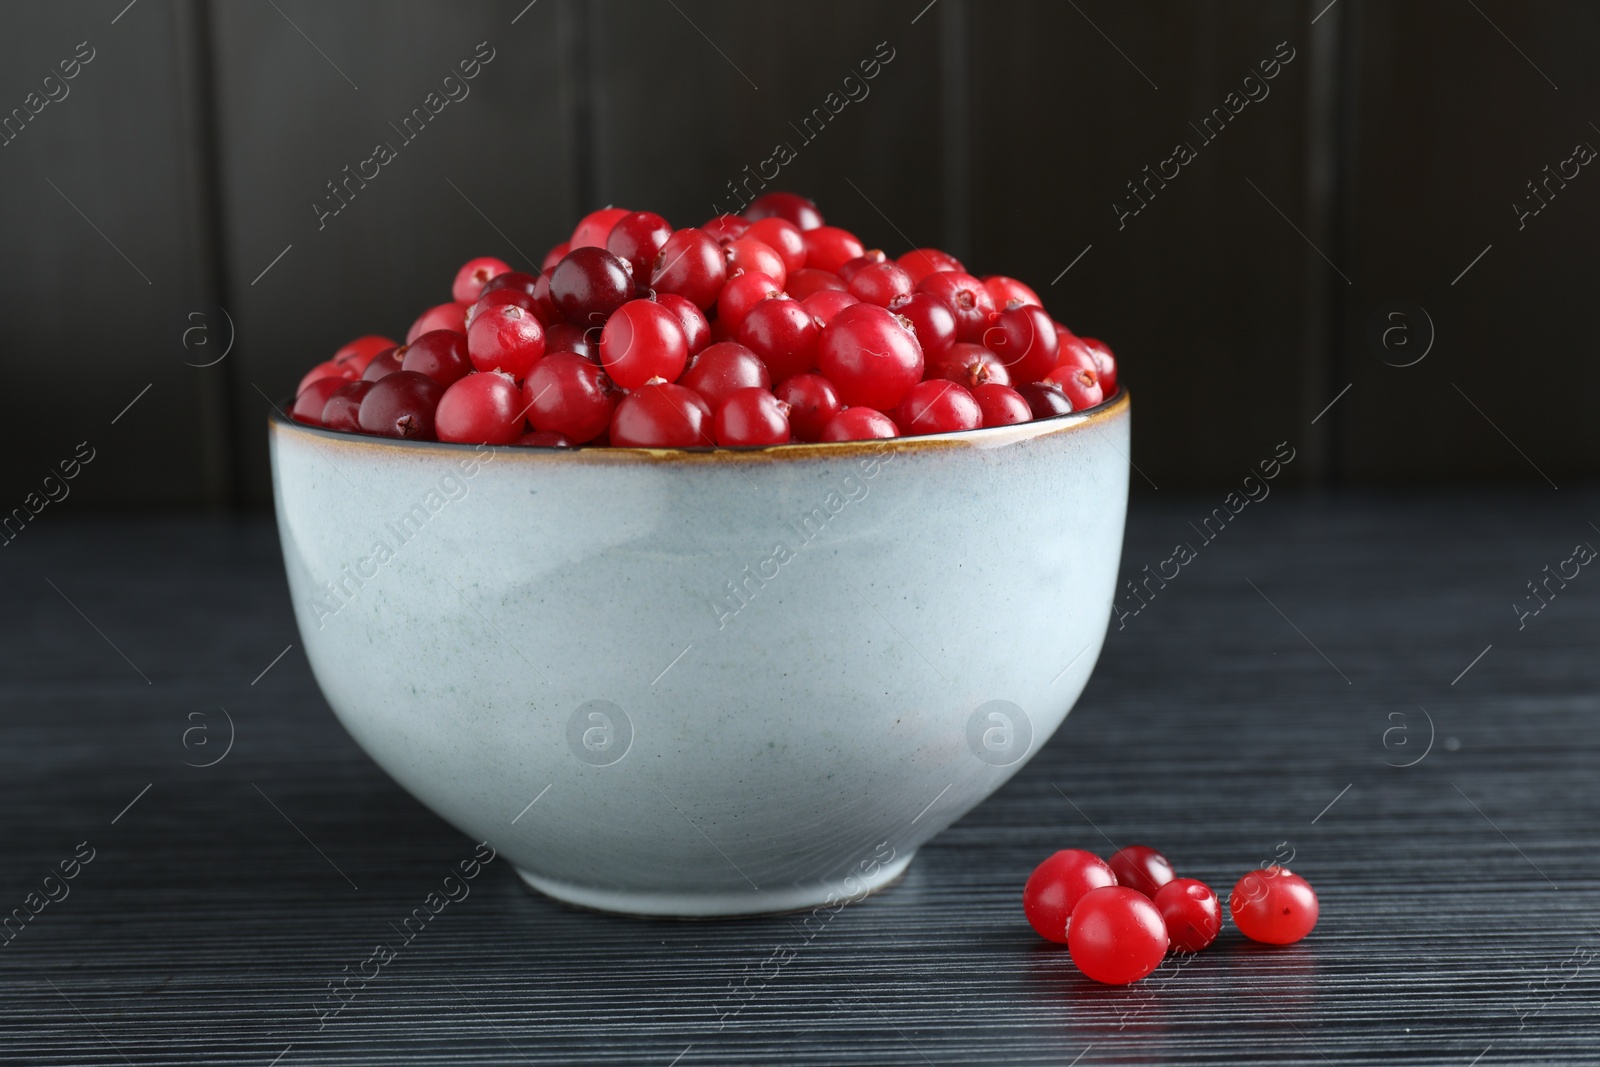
[(568, 395), (636, 238), (343, 409), (829, 248), (1045, 399), (480, 409), (808, 280), (643, 340), (507, 338), (1001, 405), (313, 399), (661, 415), (401, 405), (512, 279), (824, 304), (1141, 868), (450, 316), (1116, 935), (554, 256), (1025, 340), (921, 262), (1081, 384), (474, 275), (968, 365), (595, 227), (575, 339), (1055, 887), (784, 237), (870, 356), (932, 322), (792, 206), (743, 292), (937, 406), (723, 369), (1105, 361), (725, 228), (812, 401), (543, 439), (696, 330), (589, 285), (782, 333), (1275, 906), (746, 255), (872, 257), (327, 369), (383, 364), (858, 424), (691, 264), (751, 417), (1004, 291), (880, 283), (966, 298), (358, 353), (1192, 913), (440, 354)]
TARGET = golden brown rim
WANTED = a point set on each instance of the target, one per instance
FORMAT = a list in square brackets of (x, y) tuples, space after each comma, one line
[(989, 437)]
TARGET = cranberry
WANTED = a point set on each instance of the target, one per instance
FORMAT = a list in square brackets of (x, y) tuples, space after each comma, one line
[(824, 304), (1055, 887), (643, 340), (440, 354), (829, 248), (696, 330), (343, 409), (503, 298), (808, 280), (588, 285), (1081, 384), (723, 369), (858, 424), (543, 305), (1275, 906), (1141, 868), (661, 415), (1025, 340), (595, 227), (932, 322), (1116, 935), (1191, 912), (792, 206), (1001, 405), (543, 439), (1045, 399), (313, 399), (812, 401), (1003, 291), (474, 275), (575, 339), (725, 228), (872, 257), (554, 256), (401, 405), (327, 369), (515, 280), (966, 298), (782, 236), (450, 316), (507, 338), (636, 238), (746, 255), (751, 417), (568, 395), (383, 364), (921, 262), (880, 283), (870, 356), (742, 293), (691, 263), (937, 407), (358, 353), (783, 333), (480, 409), (1105, 361), (968, 365)]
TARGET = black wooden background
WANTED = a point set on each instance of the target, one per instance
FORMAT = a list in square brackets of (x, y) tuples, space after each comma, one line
[(159, 212)]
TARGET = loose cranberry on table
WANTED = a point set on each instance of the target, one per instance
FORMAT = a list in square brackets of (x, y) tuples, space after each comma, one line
[(1055, 887), (1117, 935), (401, 405), (661, 415), (440, 354), (691, 263), (829, 248), (742, 293), (808, 280), (784, 237), (921, 262), (751, 417), (1001, 405), (636, 238), (588, 285), (451, 316), (569, 395), (505, 337), (969, 365), (792, 206), (1275, 906), (480, 409), (870, 356), (1005, 291), (932, 322), (859, 424), (474, 275), (812, 401), (358, 353), (937, 406), (1191, 912), (783, 334), (746, 255), (723, 369), (384, 363), (1141, 868), (1024, 337), (966, 298), (593, 229), (343, 409), (824, 304), (309, 404)]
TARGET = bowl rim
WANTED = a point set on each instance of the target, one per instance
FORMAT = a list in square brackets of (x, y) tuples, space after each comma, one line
[(1115, 406)]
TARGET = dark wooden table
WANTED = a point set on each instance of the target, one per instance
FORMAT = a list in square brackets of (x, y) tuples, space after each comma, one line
[(1263, 704)]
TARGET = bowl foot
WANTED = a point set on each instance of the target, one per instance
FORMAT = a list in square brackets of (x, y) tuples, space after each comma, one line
[(719, 905)]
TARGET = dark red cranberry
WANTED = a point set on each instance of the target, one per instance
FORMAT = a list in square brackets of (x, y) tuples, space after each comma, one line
[(568, 395), (440, 354), (1045, 399), (829, 248), (343, 409), (792, 206), (812, 401), (512, 279), (1001, 405), (696, 330), (1024, 338), (784, 237), (691, 263), (725, 368), (564, 338), (968, 365), (870, 356), (932, 322), (313, 399), (589, 285), (751, 417), (937, 406), (966, 298), (783, 334), (383, 364), (661, 415), (401, 404), (636, 238)]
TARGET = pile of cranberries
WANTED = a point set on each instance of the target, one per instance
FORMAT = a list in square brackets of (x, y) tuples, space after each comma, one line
[(1118, 919), (754, 329)]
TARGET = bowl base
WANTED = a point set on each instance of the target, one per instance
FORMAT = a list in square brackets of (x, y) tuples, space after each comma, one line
[(719, 905)]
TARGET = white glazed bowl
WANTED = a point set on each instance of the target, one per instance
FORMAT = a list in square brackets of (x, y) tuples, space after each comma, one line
[(703, 683)]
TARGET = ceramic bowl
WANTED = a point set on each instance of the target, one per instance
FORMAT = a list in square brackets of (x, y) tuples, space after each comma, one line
[(705, 682)]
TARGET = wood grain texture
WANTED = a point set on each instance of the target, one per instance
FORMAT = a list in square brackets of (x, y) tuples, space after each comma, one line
[(1459, 895)]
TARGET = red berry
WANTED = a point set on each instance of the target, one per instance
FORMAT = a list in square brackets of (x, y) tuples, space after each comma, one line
[(725, 228), (661, 415), (858, 424), (327, 369), (880, 283), (1045, 399), (808, 280), (783, 334), (401, 405), (937, 407), (870, 356), (1275, 906), (507, 338), (636, 238), (643, 340), (1081, 384), (568, 395), (723, 369), (546, 307), (966, 298), (691, 264), (824, 304), (1141, 868), (742, 293), (358, 353), (829, 248), (595, 227), (968, 365), (932, 322), (588, 285), (575, 339), (554, 256), (784, 237), (696, 330), (751, 417), (1003, 291), (480, 409), (792, 206), (450, 316), (1001, 405), (921, 262), (507, 297), (343, 409), (515, 280), (1025, 340), (872, 257), (1191, 912), (384, 363), (1105, 361), (1116, 935), (746, 255), (1055, 887), (812, 401), (474, 275), (542, 439), (440, 354), (313, 399)]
